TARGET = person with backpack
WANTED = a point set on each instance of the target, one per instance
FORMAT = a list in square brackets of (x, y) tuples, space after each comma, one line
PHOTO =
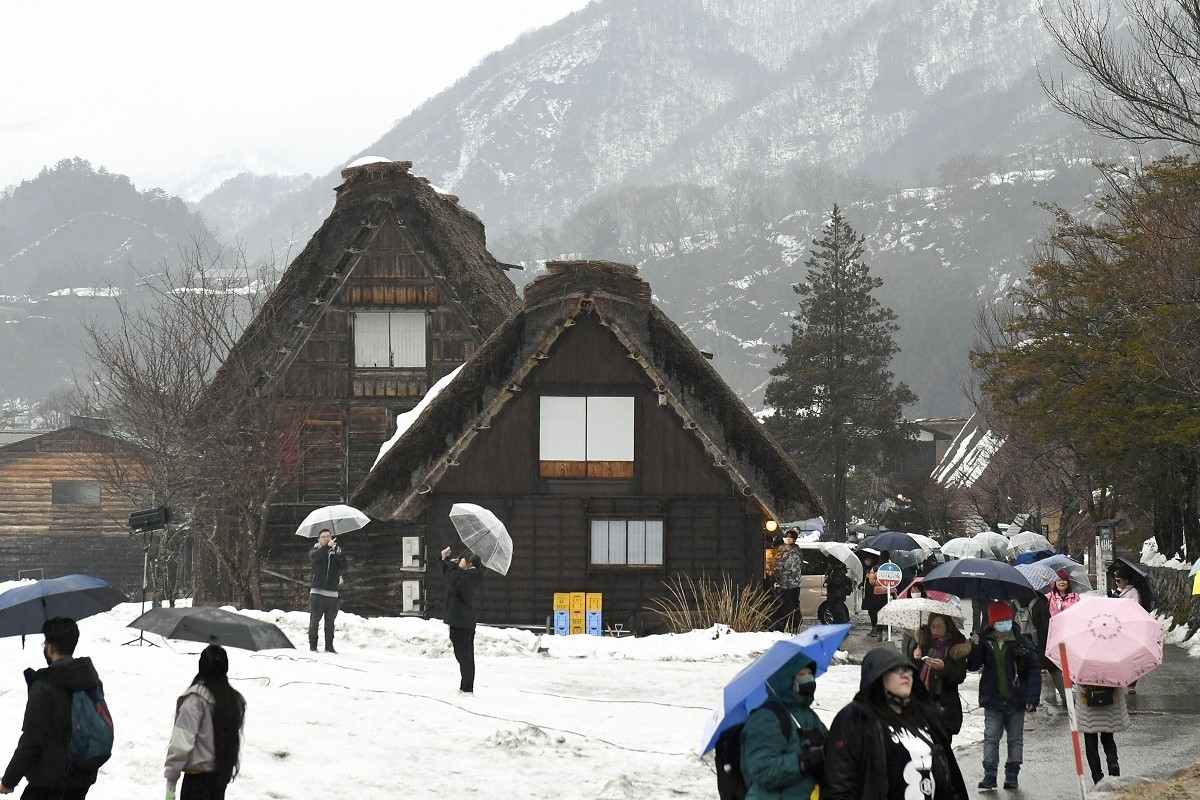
[(207, 738), (1101, 711), (888, 743), (58, 759), (782, 742), (1010, 685), (462, 577)]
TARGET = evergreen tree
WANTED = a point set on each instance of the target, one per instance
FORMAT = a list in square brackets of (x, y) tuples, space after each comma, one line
[(836, 402)]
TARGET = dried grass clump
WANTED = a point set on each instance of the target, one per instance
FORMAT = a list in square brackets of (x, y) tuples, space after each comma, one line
[(699, 603)]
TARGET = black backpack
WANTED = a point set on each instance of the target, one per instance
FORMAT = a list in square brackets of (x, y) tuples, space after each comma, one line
[(730, 783)]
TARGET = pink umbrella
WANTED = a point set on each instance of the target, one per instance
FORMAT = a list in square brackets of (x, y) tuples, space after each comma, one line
[(1109, 641), (932, 594)]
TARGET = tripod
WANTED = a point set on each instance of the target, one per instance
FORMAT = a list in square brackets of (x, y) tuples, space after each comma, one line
[(141, 639)]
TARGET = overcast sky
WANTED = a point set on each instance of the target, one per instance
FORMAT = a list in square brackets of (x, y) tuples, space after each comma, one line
[(178, 94)]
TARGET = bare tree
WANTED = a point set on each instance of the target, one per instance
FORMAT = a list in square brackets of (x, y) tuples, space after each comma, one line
[(1142, 79)]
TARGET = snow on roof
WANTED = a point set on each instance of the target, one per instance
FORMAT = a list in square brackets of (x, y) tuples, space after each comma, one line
[(86, 291), (967, 457), (363, 161), (405, 420)]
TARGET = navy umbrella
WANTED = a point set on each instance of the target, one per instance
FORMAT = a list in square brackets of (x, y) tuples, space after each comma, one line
[(980, 579), (23, 609), (214, 626), (892, 540), (1136, 571)]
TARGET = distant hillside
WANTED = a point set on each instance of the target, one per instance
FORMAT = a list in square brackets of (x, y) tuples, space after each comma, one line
[(244, 199), (71, 239)]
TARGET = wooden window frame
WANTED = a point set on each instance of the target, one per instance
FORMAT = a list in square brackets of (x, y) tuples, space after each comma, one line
[(604, 471), (77, 481), (627, 567), (428, 343)]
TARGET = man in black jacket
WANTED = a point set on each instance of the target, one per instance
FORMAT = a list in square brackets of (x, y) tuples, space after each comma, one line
[(41, 754), (328, 569), (462, 577)]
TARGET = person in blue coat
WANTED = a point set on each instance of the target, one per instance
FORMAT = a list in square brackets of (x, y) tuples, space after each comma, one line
[(1010, 685)]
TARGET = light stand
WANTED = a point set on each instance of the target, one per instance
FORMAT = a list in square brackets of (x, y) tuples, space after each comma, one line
[(141, 639)]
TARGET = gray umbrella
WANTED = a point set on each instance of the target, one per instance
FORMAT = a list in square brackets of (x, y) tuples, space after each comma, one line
[(212, 626)]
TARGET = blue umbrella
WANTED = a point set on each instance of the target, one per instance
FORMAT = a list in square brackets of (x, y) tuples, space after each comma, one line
[(23, 609), (748, 689), (980, 579), (892, 540), (1033, 556)]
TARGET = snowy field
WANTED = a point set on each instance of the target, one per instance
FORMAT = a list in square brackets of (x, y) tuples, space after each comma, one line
[(587, 718)]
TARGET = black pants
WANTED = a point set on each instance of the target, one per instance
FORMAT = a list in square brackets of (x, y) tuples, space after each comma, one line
[(1093, 753), (42, 793), (789, 607), (202, 786), (463, 640), (318, 607)]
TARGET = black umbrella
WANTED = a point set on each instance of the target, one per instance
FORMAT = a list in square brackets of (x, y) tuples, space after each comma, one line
[(214, 626), (892, 540), (980, 579), (1134, 570), (23, 609)]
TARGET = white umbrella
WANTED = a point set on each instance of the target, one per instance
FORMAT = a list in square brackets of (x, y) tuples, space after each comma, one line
[(841, 552), (485, 534), (994, 543), (338, 519), (1029, 542), (965, 547), (912, 612)]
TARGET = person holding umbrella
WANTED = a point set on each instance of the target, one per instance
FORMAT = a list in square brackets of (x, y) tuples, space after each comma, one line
[(41, 757), (1101, 711), (940, 655), (328, 574), (462, 576), (888, 743), (783, 739), (1010, 685), (1058, 599), (207, 738)]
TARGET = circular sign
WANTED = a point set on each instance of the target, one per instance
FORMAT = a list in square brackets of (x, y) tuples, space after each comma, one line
[(889, 575)]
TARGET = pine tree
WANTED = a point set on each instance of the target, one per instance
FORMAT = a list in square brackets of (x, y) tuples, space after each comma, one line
[(835, 401)]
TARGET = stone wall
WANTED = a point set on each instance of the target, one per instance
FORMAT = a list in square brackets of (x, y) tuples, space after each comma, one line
[(1172, 592)]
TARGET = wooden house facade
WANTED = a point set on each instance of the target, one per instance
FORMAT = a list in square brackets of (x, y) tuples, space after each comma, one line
[(59, 516), (607, 443), (394, 291)]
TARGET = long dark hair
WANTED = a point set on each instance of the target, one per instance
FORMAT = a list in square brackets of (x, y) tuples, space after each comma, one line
[(229, 710)]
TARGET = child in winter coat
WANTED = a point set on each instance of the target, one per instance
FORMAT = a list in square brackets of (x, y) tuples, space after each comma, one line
[(1101, 711), (1009, 686)]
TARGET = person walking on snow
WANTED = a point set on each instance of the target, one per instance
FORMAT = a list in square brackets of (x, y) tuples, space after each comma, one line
[(207, 738), (1010, 685), (462, 577), (41, 757), (328, 574), (789, 574), (1101, 711), (783, 739), (888, 744)]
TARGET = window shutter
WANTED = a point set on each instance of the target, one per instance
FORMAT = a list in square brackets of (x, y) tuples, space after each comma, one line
[(637, 542), (610, 428), (616, 541), (410, 553), (654, 541), (371, 347), (562, 432), (408, 339), (410, 596)]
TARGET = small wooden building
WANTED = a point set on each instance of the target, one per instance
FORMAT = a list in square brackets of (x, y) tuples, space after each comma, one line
[(58, 516), (607, 443), (393, 292)]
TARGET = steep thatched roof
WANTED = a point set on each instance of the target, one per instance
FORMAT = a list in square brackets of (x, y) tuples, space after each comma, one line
[(689, 384), (373, 195)]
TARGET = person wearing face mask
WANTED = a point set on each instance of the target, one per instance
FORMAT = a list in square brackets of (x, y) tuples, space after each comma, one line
[(1010, 684), (888, 743), (41, 757), (783, 739)]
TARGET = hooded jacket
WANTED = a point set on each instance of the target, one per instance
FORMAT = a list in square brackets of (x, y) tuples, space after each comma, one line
[(41, 754), (1022, 671), (192, 747), (856, 765), (770, 760)]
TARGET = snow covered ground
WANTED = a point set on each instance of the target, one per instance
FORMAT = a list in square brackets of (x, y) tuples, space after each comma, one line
[(588, 717)]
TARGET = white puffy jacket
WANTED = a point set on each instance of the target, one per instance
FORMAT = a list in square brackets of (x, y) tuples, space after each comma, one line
[(192, 748)]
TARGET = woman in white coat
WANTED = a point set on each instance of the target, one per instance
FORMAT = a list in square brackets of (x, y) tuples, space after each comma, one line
[(1101, 711)]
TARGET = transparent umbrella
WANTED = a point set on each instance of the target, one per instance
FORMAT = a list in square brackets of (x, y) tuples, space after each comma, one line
[(338, 519), (995, 543), (485, 534), (1029, 542), (965, 547)]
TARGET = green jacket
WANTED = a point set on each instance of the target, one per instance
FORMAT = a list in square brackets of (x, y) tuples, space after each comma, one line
[(770, 760)]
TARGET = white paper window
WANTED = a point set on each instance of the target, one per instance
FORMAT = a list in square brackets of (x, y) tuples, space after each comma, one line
[(371, 342), (408, 339), (410, 552), (389, 339), (563, 430), (610, 429), (627, 542), (410, 593)]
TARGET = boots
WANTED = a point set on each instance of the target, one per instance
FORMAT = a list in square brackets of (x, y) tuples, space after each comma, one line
[(988, 784), (1010, 775)]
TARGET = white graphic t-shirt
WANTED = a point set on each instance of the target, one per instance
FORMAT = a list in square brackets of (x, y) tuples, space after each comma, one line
[(910, 764)]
